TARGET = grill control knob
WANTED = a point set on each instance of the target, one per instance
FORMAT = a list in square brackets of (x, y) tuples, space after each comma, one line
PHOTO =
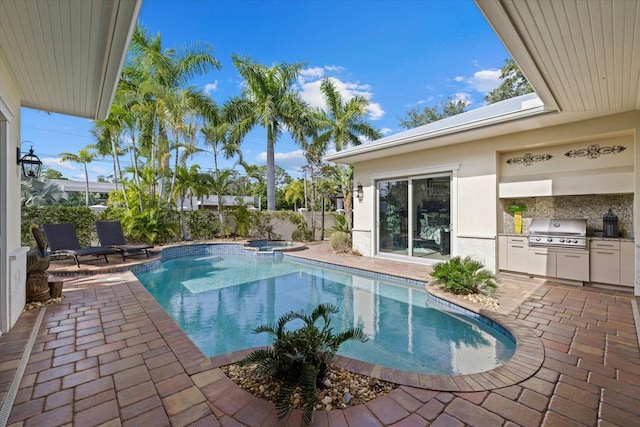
[(549, 239), (562, 241), (537, 239)]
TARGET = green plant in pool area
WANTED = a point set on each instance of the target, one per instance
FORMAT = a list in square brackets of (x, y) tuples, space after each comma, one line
[(299, 358), (340, 242), (464, 276)]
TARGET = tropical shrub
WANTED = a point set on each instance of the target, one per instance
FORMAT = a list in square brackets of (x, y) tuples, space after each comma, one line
[(203, 224), (341, 224), (340, 242), (464, 276), (242, 220), (302, 235), (81, 217), (299, 358), (153, 225)]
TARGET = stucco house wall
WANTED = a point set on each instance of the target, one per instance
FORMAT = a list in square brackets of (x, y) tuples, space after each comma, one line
[(480, 176), (12, 256)]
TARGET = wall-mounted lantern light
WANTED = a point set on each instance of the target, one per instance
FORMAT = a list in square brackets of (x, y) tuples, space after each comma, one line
[(31, 164), (359, 192)]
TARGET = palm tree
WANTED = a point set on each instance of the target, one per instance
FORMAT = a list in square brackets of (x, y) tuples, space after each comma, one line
[(343, 124), (222, 183), (85, 156), (269, 101), (156, 77), (294, 192), (216, 131)]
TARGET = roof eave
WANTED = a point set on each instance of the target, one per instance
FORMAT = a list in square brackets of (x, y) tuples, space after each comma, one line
[(116, 53), (386, 145)]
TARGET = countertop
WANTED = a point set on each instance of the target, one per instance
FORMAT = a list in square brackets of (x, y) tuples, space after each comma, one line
[(617, 239)]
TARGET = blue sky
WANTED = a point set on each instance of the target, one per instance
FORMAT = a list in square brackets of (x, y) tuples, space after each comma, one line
[(396, 53)]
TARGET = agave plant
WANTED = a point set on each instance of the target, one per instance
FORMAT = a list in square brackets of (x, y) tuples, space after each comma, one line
[(464, 276), (299, 358)]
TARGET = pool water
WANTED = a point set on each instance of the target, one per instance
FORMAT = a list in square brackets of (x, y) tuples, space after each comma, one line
[(219, 299)]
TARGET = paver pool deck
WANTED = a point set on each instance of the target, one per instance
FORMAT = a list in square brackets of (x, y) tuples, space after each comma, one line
[(108, 354)]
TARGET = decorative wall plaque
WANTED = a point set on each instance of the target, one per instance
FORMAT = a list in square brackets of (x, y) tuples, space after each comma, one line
[(529, 158), (594, 151)]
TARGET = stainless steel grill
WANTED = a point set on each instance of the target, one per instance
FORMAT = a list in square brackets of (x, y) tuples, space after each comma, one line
[(559, 233)]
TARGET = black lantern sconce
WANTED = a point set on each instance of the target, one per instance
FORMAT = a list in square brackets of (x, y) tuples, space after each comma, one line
[(359, 192), (31, 164)]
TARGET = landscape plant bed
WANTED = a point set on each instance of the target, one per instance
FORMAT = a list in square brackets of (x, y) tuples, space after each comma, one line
[(342, 388)]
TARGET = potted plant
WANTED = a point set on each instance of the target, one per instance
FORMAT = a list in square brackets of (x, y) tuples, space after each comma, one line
[(517, 216)]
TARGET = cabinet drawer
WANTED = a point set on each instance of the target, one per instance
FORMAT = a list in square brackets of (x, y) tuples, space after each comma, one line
[(572, 266), (605, 244), (518, 240)]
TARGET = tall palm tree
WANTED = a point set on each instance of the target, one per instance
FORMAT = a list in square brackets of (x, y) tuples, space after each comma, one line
[(85, 156), (343, 123), (269, 101), (294, 192), (156, 75), (216, 131), (222, 183)]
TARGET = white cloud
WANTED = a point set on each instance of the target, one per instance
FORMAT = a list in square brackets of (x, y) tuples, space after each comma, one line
[(484, 80), (290, 161), (57, 164), (310, 92), (211, 87), (311, 73), (334, 68), (97, 170), (463, 96), (375, 111), (459, 78), (386, 131)]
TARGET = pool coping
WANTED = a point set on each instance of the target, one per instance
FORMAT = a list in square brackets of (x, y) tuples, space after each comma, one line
[(525, 362)]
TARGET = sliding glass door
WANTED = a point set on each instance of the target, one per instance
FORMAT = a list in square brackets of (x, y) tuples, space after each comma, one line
[(414, 217), (393, 217)]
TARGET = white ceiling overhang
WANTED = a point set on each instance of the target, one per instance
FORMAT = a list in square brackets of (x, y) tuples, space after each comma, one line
[(579, 55), (66, 55)]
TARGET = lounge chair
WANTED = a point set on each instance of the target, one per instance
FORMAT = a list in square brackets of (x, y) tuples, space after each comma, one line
[(111, 236), (63, 242)]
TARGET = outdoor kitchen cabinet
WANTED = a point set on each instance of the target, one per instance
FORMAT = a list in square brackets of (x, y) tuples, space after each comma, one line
[(517, 250), (627, 263), (605, 262), (541, 262), (613, 262), (572, 265)]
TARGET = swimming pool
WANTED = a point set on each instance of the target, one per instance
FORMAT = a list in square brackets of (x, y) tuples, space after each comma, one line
[(218, 297)]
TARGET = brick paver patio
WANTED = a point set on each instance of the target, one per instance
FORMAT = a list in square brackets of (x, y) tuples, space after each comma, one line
[(109, 355)]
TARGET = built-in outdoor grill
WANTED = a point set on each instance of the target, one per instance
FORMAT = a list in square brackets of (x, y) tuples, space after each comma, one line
[(559, 233)]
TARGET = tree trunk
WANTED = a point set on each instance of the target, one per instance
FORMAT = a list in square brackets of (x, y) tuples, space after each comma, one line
[(86, 177), (271, 175)]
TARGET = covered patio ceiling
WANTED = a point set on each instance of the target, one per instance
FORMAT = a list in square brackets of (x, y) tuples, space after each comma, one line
[(65, 56), (579, 55)]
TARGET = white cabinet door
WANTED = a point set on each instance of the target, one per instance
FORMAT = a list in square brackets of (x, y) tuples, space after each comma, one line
[(627, 263), (517, 254), (503, 252), (573, 266), (541, 262), (605, 266)]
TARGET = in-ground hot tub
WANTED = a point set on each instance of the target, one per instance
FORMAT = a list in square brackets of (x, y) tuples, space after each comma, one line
[(264, 245)]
